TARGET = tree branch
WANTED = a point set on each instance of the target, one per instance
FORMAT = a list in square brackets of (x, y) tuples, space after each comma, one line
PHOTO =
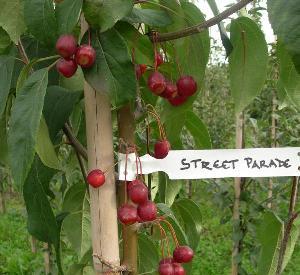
[(74, 141), (161, 37), (140, 1), (288, 227)]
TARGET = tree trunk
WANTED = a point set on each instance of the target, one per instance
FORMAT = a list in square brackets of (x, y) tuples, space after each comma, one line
[(237, 193), (33, 244), (126, 127), (273, 143), (2, 197), (47, 259)]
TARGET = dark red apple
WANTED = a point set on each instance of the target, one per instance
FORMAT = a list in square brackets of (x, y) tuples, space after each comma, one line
[(66, 67), (177, 100), (170, 91), (85, 56), (66, 45), (157, 83), (161, 149), (96, 178), (127, 214), (147, 211), (186, 86), (183, 254), (138, 193)]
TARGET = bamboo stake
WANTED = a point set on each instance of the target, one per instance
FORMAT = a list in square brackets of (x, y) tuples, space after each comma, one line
[(103, 203), (237, 193), (126, 127)]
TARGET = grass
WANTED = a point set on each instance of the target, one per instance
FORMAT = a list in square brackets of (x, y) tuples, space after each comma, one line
[(15, 250), (213, 255)]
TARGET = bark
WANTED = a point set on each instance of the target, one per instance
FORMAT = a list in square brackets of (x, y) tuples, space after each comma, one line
[(273, 143), (126, 127), (47, 258), (237, 193)]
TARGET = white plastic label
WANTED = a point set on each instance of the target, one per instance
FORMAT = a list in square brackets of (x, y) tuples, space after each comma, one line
[(202, 164)]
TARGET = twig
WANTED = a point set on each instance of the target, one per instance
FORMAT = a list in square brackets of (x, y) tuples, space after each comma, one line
[(22, 52), (161, 37), (288, 227), (113, 268), (140, 1), (74, 141)]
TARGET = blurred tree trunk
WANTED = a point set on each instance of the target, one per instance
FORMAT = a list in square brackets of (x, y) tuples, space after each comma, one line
[(47, 258), (2, 196), (273, 142), (237, 192), (126, 127)]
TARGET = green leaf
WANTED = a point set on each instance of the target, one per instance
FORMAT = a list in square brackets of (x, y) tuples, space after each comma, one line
[(224, 37), (189, 212), (59, 104), (12, 18), (77, 225), (180, 233), (6, 70), (191, 52), (24, 123), (75, 83), (148, 256), (269, 236), (289, 78), (184, 117), (168, 189), (3, 141), (104, 14), (67, 14), (41, 220), (41, 21), (5, 41), (140, 44), (198, 130), (44, 147), (113, 72), (24, 73), (155, 18), (285, 20), (247, 62)]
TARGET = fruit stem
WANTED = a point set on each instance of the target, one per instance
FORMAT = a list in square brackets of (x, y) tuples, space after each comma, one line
[(52, 65), (47, 58), (125, 182), (172, 231), (138, 160), (161, 128), (164, 234), (148, 135), (89, 32), (110, 168)]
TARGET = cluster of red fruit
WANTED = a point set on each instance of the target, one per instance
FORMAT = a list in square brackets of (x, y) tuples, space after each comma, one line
[(73, 55), (144, 211), (177, 93), (172, 266)]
